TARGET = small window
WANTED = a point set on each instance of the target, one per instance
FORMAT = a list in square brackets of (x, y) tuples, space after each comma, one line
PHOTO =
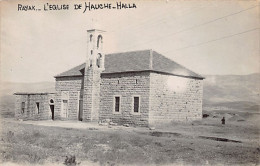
[(90, 63), (90, 37), (99, 60), (38, 107), (136, 105), (99, 41), (23, 107), (117, 104)]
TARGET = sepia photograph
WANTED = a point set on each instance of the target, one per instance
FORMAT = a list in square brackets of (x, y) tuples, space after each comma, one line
[(136, 83)]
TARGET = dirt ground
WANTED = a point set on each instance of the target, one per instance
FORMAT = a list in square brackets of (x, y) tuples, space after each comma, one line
[(205, 142)]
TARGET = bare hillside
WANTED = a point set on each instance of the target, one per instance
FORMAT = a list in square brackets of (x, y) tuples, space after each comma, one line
[(236, 91)]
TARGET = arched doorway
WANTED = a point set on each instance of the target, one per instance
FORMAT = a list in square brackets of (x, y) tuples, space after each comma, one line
[(52, 108)]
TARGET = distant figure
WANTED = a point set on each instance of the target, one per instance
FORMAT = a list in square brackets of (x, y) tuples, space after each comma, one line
[(223, 120)]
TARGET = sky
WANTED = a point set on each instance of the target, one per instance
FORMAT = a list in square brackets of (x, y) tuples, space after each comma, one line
[(208, 37)]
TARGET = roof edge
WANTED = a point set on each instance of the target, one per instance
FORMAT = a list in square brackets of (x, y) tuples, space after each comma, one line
[(128, 51), (69, 76), (200, 78), (60, 74), (33, 93)]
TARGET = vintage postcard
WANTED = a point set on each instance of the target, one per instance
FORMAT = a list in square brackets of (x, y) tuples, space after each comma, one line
[(168, 82)]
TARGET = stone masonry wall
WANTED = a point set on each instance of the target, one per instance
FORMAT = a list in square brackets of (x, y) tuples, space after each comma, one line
[(30, 110), (91, 96), (71, 86), (125, 85), (174, 98)]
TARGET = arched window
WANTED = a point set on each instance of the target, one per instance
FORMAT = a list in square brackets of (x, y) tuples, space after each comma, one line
[(99, 41), (91, 52), (90, 37), (99, 59)]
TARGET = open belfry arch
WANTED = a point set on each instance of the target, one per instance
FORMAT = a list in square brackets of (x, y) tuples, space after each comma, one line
[(92, 75)]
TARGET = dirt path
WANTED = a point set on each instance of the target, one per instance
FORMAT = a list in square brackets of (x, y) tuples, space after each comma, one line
[(174, 132)]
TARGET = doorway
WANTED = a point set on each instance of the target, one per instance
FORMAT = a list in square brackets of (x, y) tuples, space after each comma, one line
[(52, 108), (80, 116), (52, 111), (64, 109)]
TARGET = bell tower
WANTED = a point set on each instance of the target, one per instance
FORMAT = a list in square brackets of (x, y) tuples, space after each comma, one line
[(95, 56), (92, 77)]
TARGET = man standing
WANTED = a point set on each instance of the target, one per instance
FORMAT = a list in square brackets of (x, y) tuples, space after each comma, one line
[(223, 120)]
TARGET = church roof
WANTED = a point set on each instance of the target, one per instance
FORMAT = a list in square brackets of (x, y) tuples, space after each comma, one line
[(136, 61)]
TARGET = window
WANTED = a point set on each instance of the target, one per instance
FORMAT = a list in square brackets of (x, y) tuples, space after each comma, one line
[(117, 104), (38, 107), (90, 37), (23, 107), (136, 104), (99, 41), (90, 63), (99, 60)]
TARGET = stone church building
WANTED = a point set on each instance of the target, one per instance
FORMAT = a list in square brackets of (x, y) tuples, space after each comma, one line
[(138, 88)]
